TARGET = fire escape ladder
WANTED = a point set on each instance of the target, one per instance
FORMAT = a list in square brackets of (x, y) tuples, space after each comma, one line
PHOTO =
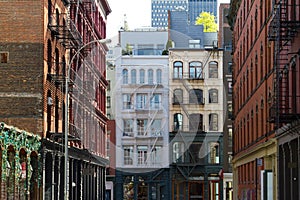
[(282, 30)]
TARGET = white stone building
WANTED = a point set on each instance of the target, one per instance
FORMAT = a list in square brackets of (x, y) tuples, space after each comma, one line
[(141, 114)]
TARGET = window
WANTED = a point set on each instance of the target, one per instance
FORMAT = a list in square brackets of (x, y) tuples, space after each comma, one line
[(150, 76), (128, 155), (229, 110), (156, 155), (213, 122), (155, 101), (196, 96), (213, 69), (3, 57), (158, 76), (230, 87), (178, 96), (214, 188), (230, 137), (178, 121), (213, 96), (127, 104), (49, 56), (230, 67), (128, 127), (125, 76), (142, 76), (141, 125), (214, 153), (141, 101), (195, 70), (155, 127), (194, 43), (142, 154), (177, 70), (196, 156), (196, 122), (108, 102), (49, 11), (178, 152), (133, 76)]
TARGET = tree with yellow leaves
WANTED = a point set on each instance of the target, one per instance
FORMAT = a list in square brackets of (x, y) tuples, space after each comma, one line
[(208, 21)]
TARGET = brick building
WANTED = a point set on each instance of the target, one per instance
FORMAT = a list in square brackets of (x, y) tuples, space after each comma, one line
[(255, 146), (225, 43), (40, 41), (285, 109)]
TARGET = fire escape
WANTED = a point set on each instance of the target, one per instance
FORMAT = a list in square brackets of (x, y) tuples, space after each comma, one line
[(283, 28), (68, 30)]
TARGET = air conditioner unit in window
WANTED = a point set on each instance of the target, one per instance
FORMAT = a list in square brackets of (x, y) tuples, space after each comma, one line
[(49, 101)]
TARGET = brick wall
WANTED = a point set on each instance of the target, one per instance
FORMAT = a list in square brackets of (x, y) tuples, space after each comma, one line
[(21, 78)]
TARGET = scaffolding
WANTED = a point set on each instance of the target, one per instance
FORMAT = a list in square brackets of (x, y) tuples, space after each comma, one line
[(283, 28)]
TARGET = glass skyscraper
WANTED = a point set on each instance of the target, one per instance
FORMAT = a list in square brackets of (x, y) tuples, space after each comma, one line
[(159, 13)]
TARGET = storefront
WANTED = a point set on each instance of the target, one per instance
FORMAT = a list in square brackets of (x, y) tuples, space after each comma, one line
[(20, 164)]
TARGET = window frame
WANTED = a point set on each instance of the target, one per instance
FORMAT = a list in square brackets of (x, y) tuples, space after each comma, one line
[(177, 122), (150, 77), (177, 99), (141, 101), (198, 70), (213, 97), (213, 69), (142, 76), (133, 76), (125, 76), (128, 155), (213, 122), (177, 70), (196, 96)]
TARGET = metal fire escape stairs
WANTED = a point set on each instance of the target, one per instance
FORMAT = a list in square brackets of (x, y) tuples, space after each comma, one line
[(152, 115), (282, 30)]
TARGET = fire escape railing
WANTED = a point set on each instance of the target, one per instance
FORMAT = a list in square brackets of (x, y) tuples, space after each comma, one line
[(283, 28)]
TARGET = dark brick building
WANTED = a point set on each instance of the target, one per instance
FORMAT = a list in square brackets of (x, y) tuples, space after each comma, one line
[(39, 42), (225, 43), (266, 98), (254, 143)]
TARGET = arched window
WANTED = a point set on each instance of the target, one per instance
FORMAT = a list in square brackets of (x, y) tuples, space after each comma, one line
[(196, 96), (142, 76), (49, 112), (56, 114), (213, 122), (177, 96), (178, 121), (57, 61), (177, 69), (49, 56), (213, 69), (150, 76), (196, 122), (64, 65), (178, 152), (49, 11), (158, 76), (214, 153), (57, 17), (213, 96), (125, 76), (195, 70), (133, 76)]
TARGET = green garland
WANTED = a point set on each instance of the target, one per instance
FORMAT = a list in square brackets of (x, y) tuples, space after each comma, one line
[(10, 136)]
